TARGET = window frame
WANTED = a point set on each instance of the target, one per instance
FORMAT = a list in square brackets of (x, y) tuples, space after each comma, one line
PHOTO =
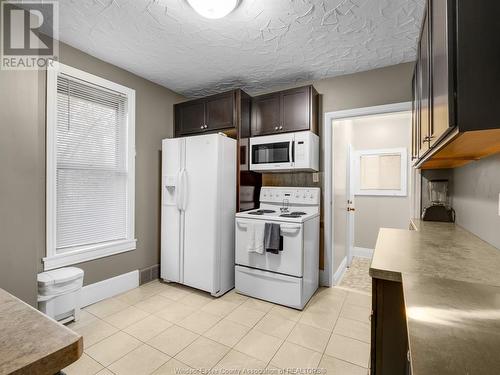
[(79, 254), (401, 192)]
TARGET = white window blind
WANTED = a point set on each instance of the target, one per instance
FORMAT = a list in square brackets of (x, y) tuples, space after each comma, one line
[(381, 172), (91, 165), (92, 172)]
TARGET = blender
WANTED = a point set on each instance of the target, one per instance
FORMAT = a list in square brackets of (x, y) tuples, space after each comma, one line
[(439, 209)]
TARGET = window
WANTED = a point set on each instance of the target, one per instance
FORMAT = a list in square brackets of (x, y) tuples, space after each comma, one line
[(90, 167), (381, 172)]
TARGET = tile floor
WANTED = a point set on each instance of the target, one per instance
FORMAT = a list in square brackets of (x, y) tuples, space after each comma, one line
[(171, 329)]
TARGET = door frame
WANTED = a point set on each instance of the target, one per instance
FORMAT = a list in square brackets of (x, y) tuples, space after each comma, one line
[(330, 275)]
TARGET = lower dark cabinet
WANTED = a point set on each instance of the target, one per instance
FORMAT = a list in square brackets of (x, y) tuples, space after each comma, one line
[(389, 339)]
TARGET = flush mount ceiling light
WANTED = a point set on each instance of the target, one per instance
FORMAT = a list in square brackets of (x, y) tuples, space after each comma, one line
[(213, 8)]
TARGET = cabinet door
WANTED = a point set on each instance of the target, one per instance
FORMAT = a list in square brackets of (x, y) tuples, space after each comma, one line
[(219, 111), (440, 68), (266, 114), (296, 111), (189, 117), (424, 63), (415, 120)]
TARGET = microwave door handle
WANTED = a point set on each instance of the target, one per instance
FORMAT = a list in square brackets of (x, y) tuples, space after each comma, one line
[(291, 151)]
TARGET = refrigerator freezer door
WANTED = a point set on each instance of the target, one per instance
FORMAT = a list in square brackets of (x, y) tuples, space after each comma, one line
[(201, 237), (173, 151)]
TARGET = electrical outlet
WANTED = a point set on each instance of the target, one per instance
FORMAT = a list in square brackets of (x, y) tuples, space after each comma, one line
[(316, 177)]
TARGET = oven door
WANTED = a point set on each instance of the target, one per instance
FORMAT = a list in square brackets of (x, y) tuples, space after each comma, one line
[(287, 262), (272, 153)]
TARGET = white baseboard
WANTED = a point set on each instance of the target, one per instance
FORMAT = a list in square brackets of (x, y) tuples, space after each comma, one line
[(362, 252), (340, 271), (108, 288)]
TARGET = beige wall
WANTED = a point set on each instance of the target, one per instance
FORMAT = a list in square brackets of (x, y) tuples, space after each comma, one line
[(22, 166), (475, 190), (375, 87)]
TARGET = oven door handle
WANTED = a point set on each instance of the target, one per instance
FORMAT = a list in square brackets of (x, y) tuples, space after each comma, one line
[(290, 228), (241, 224)]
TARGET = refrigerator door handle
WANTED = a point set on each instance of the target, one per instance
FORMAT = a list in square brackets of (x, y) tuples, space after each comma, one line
[(180, 189), (184, 189)]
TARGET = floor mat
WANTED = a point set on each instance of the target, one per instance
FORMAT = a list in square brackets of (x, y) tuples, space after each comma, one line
[(356, 276)]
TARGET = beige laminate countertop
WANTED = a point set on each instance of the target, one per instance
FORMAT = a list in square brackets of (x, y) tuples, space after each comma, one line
[(451, 288), (32, 343), (442, 250), (453, 328)]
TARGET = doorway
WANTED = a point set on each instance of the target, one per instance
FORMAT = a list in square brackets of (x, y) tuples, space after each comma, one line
[(353, 217)]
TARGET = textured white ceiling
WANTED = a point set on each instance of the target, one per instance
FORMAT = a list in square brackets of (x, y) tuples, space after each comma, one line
[(260, 45)]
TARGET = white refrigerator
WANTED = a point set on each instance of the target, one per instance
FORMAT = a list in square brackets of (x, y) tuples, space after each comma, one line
[(197, 213)]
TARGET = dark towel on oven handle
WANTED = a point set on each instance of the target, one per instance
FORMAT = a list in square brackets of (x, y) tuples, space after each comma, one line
[(272, 238)]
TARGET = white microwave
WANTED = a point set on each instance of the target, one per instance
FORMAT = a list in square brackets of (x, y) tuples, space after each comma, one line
[(285, 152)]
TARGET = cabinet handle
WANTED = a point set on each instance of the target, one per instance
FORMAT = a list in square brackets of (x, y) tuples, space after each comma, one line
[(428, 138), (202, 127), (276, 128), (281, 127), (206, 126)]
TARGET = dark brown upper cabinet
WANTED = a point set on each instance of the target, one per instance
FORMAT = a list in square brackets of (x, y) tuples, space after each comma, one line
[(285, 111), (266, 114), (425, 105), (441, 16), (415, 136), (213, 113), (219, 111), (189, 117), (457, 83)]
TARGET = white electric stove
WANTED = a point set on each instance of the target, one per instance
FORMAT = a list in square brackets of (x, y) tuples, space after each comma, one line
[(290, 277)]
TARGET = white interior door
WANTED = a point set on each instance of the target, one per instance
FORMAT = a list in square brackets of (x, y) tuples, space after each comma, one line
[(350, 211), (341, 139)]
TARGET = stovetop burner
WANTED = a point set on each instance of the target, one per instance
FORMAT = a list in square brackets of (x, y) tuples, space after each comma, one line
[(293, 214), (261, 212)]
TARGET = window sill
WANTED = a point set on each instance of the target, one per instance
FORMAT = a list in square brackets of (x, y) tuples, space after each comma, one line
[(87, 253)]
